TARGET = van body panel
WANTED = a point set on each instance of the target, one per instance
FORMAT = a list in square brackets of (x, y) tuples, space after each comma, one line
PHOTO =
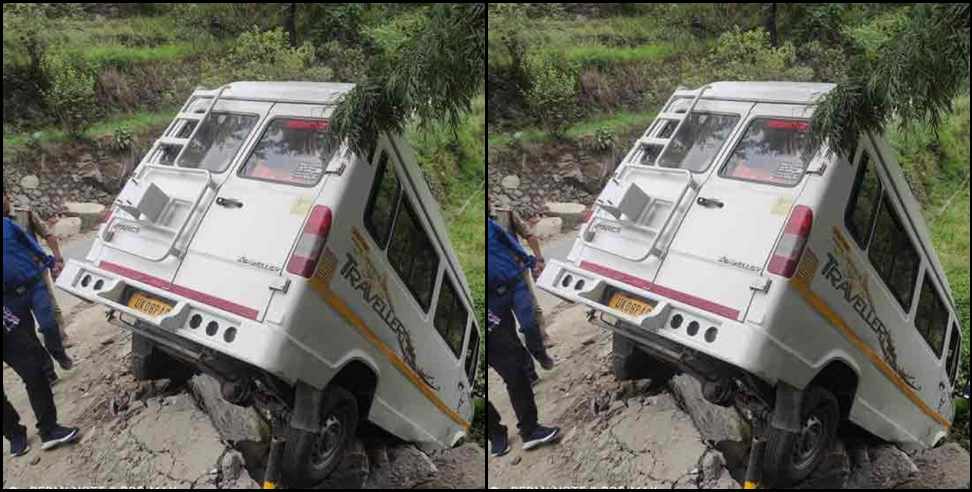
[(836, 309)]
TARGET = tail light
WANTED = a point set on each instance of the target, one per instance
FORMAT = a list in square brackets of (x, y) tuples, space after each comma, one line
[(788, 253), (311, 243)]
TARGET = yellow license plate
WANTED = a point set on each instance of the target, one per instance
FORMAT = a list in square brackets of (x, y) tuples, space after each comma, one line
[(145, 304), (629, 306)]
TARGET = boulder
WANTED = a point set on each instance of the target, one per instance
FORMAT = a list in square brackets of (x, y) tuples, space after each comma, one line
[(548, 227), (233, 423), (571, 213), (946, 467), (834, 471), (716, 424), (68, 226), (510, 182), (882, 467), (89, 213), (407, 468), (30, 182)]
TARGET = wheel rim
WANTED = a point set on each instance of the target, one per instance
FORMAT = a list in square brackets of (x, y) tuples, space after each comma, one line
[(327, 443), (809, 443)]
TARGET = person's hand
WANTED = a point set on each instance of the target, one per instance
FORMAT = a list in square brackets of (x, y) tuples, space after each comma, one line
[(57, 267), (538, 267)]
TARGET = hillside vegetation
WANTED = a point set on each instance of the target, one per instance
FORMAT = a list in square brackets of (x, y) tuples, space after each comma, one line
[(592, 76), (105, 79)]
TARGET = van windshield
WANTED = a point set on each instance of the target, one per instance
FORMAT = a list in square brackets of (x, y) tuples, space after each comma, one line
[(291, 151), (772, 151), (697, 142), (217, 141)]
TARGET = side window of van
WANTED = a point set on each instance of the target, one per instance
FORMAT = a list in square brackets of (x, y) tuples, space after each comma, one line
[(381, 207), (932, 317), (472, 354), (412, 255), (451, 317), (894, 256), (291, 151), (954, 348), (863, 205), (774, 152)]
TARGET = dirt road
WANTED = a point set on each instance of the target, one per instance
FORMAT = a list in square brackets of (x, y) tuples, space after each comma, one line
[(614, 435)]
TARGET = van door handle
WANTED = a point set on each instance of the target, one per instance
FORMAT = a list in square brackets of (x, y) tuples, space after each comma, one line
[(229, 202), (710, 203)]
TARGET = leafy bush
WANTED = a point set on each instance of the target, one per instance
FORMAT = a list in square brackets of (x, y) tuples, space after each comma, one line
[(749, 56), (553, 89), (266, 56), (71, 95)]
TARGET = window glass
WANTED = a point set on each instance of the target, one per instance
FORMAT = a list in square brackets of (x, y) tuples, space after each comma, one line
[(451, 317), (932, 318), (774, 152), (894, 256), (954, 348), (291, 151), (697, 142), (384, 198), (412, 255), (217, 142), (472, 354), (863, 203)]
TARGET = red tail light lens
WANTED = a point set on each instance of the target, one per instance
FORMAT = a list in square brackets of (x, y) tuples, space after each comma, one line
[(790, 250), (311, 243)]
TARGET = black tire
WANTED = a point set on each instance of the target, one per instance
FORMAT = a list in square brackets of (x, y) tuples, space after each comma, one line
[(632, 364), (791, 458), (149, 363), (306, 465)]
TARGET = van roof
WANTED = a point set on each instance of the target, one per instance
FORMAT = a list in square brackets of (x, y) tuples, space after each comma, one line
[(327, 93), (779, 92)]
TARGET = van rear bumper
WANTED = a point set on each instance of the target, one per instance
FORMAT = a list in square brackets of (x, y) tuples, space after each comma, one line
[(258, 344), (742, 345)]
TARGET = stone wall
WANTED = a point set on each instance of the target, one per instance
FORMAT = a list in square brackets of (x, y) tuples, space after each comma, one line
[(561, 175)]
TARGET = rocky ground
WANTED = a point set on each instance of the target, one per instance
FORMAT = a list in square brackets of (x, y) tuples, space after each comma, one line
[(155, 435), (641, 435)]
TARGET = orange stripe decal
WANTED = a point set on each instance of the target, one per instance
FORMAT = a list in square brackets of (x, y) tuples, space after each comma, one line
[(802, 286), (348, 314)]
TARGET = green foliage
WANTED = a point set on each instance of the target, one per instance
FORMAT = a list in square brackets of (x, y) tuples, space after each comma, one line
[(604, 55), (266, 56), (748, 55), (122, 138), (553, 89), (71, 95), (921, 67)]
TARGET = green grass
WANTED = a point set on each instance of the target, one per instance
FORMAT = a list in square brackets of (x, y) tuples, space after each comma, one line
[(134, 122), (619, 123), (600, 55), (121, 56)]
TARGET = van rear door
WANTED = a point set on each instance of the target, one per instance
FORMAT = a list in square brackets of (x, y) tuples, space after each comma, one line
[(722, 249), (160, 207), (240, 251)]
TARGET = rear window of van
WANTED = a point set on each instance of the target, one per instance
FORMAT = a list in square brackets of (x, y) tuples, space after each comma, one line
[(291, 151), (772, 151)]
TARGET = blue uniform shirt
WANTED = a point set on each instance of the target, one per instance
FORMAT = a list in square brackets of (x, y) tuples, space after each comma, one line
[(20, 255)]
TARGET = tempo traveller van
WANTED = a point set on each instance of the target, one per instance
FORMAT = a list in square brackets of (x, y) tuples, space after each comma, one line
[(316, 284), (800, 287)]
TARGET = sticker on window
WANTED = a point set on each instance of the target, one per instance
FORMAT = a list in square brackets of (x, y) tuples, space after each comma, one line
[(291, 151), (773, 152)]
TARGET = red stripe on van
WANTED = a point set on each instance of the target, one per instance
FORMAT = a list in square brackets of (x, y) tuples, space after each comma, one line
[(672, 294), (195, 295)]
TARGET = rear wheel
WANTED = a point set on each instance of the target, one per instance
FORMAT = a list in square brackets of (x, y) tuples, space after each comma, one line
[(309, 457), (149, 363), (790, 458), (630, 363)]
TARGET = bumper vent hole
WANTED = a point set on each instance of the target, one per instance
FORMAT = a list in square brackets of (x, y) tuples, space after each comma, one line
[(711, 334), (567, 281), (580, 285), (99, 284), (693, 328), (86, 281), (677, 321), (230, 335), (195, 321), (212, 328)]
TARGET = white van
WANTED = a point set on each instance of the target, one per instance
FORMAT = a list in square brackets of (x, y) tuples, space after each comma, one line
[(802, 288), (317, 284)]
